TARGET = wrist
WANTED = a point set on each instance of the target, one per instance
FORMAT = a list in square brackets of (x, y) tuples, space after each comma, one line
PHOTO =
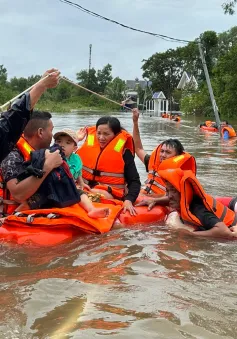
[(41, 86), (47, 167)]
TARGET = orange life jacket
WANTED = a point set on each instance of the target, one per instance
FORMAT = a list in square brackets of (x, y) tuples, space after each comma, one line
[(230, 130), (105, 166), (188, 186), (209, 123), (9, 205), (74, 216), (154, 183)]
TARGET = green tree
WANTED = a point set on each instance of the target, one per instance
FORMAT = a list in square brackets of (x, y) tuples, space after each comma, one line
[(226, 41), (115, 89), (209, 41), (3, 75), (164, 70), (104, 77), (63, 91), (19, 84), (229, 7), (88, 79), (225, 83), (196, 101)]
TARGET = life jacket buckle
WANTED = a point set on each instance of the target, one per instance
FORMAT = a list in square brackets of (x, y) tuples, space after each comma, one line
[(147, 189), (30, 218), (53, 216)]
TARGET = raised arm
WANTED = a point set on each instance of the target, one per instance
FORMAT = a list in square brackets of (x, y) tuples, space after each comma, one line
[(51, 79), (136, 136), (13, 122)]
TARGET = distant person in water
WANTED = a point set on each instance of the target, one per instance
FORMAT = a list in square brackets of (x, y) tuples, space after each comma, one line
[(227, 131)]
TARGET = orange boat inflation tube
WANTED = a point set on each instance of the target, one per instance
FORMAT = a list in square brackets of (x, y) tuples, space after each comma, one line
[(49, 227)]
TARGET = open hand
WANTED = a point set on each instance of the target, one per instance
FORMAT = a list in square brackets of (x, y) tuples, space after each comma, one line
[(52, 79), (81, 133), (147, 202), (128, 206)]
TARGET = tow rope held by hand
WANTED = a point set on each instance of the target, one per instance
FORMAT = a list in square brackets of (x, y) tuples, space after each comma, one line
[(92, 92), (8, 103)]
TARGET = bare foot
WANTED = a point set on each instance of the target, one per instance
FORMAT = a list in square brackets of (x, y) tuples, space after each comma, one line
[(98, 213)]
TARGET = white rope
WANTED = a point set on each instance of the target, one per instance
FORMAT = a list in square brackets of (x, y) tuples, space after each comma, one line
[(88, 90)]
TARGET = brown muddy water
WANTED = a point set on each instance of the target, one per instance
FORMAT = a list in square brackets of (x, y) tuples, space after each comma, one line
[(142, 282)]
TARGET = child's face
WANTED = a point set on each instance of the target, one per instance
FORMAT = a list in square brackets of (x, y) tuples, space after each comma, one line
[(67, 144)]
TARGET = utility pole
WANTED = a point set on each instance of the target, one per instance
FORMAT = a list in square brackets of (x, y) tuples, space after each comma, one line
[(89, 71), (213, 101), (90, 49)]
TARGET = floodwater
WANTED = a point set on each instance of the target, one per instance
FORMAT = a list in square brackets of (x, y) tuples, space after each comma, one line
[(142, 282)]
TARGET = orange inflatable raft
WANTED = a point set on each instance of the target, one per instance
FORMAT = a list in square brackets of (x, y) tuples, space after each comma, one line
[(209, 129), (49, 227)]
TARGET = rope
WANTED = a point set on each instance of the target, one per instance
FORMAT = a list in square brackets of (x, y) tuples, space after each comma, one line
[(114, 102), (92, 92)]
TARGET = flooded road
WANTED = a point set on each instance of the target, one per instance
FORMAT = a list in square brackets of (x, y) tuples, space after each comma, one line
[(141, 282)]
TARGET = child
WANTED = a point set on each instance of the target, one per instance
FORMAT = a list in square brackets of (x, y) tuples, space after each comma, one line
[(67, 139)]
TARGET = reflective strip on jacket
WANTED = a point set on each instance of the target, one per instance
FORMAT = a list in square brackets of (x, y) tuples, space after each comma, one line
[(9, 205), (104, 168)]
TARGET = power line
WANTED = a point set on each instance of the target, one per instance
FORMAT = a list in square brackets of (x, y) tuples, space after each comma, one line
[(157, 35)]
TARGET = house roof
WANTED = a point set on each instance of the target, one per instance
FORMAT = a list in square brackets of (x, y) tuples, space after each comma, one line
[(187, 78), (131, 93), (158, 95), (132, 84)]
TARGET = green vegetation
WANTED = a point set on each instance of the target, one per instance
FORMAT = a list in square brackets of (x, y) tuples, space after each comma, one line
[(165, 70), (229, 7), (65, 96)]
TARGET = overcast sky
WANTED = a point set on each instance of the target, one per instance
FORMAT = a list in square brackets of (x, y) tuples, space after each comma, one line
[(38, 34)]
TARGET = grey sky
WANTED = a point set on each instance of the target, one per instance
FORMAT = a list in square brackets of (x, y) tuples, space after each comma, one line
[(38, 34)]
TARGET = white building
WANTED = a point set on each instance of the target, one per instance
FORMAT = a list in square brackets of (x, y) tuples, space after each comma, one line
[(187, 80)]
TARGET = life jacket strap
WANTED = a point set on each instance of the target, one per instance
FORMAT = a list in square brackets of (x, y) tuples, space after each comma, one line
[(98, 173), (105, 184), (30, 217), (234, 223)]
